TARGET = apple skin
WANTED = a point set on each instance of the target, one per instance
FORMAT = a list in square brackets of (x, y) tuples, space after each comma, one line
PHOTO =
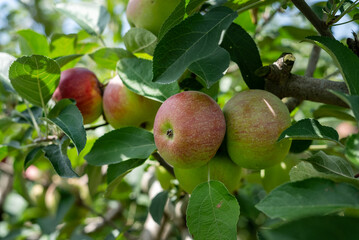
[(255, 119), (189, 128), (149, 14), (83, 86), (124, 108), (221, 168)]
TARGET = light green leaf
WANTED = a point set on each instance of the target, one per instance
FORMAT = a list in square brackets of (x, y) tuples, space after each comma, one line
[(35, 78), (62, 61), (117, 170), (341, 113), (120, 145), (5, 62), (108, 57), (352, 101), (352, 149), (212, 212), (32, 42), (92, 17), (136, 74), (345, 59), (309, 197), (63, 45), (157, 206), (189, 41), (139, 40)]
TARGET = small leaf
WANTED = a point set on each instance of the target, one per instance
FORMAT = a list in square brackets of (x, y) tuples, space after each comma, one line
[(316, 227), (62, 61), (157, 206), (244, 52), (35, 78), (92, 17), (120, 169), (345, 59), (211, 68), (352, 149), (309, 129), (352, 101), (32, 43), (59, 160), (139, 40), (309, 197), (120, 145), (136, 74), (5, 62), (69, 119), (333, 111), (212, 212), (108, 57), (189, 41)]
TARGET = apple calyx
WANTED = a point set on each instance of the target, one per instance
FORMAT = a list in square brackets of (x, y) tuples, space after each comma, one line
[(169, 133)]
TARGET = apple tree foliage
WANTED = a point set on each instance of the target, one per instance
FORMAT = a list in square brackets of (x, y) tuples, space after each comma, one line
[(61, 179)]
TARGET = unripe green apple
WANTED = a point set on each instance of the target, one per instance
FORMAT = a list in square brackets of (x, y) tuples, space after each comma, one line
[(164, 177), (124, 108), (83, 86), (220, 168), (188, 130), (255, 119), (150, 14)]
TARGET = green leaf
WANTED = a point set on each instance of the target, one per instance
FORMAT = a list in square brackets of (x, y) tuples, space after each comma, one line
[(136, 74), (63, 45), (92, 17), (32, 42), (3, 152), (309, 197), (191, 40), (25, 116), (352, 101), (62, 61), (108, 57), (341, 113), (56, 154), (212, 212), (32, 156), (35, 78), (316, 227), (243, 51), (5, 62), (157, 206), (120, 145), (296, 33), (309, 129), (352, 149), (69, 119), (139, 40), (345, 59), (120, 169), (211, 68)]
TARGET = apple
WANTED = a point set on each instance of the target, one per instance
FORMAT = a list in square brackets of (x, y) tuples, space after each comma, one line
[(83, 86), (189, 128), (220, 168), (124, 108), (149, 14), (255, 119), (163, 176)]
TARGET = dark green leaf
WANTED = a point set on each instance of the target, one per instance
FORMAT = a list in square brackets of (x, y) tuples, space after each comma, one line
[(333, 111), (25, 116), (62, 61), (315, 228), (108, 57), (211, 68), (32, 156), (69, 119), (309, 129), (92, 17), (313, 196), (299, 146), (352, 149), (352, 101), (136, 74), (32, 42), (193, 39), (120, 145), (59, 160), (5, 62), (35, 78), (212, 212), (244, 52), (157, 206), (139, 40), (120, 169), (345, 59)]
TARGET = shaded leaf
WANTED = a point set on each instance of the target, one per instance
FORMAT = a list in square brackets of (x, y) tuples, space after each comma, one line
[(157, 206), (25, 116), (108, 57), (352, 101), (62, 61), (309, 197), (35, 78), (32, 156), (120, 145), (193, 39), (212, 212), (139, 40), (352, 149), (32, 42), (333, 111), (136, 74), (120, 169)]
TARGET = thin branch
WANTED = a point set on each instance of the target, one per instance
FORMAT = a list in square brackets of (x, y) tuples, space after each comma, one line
[(94, 127), (163, 163)]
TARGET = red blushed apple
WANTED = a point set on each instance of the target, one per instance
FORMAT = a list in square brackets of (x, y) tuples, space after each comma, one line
[(83, 86), (124, 108), (188, 130), (255, 119)]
